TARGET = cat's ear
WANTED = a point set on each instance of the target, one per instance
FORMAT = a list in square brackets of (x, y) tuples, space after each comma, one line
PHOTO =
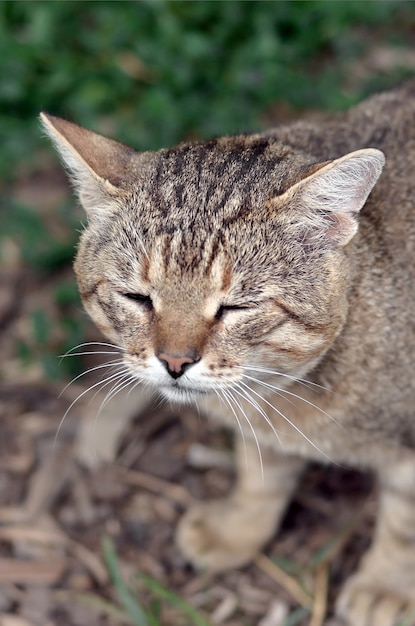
[(97, 165), (331, 198)]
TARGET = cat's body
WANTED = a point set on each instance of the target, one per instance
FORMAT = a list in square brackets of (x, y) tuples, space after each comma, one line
[(233, 273)]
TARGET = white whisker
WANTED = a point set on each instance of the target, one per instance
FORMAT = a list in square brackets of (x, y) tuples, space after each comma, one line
[(252, 429), (113, 369), (96, 343), (244, 393), (101, 344), (221, 393), (280, 392), (277, 390), (124, 382), (104, 382), (66, 356), (292, 424), (159, 401), (91, 369), (265, 370), (137, 381)]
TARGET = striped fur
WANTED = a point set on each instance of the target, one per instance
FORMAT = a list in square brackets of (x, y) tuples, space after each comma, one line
[(256, 276)]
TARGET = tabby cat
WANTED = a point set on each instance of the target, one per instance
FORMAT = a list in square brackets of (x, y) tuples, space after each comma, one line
[(270, 279)]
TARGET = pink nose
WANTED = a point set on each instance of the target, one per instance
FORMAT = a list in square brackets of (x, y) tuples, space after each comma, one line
[(175, 365)]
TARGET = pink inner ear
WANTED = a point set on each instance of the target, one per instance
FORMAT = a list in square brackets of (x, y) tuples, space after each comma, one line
[(341, 227), (334, 195), (359, 197)]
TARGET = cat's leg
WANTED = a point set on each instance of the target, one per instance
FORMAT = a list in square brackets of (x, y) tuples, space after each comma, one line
[(103, 425), (382, 592), (228, 533)]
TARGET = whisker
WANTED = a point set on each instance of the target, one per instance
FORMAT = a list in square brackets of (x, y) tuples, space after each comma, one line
[(314, 406), (138, 381), (95, 343), (91, 352), (280, 392), (292, 424), (114, 369), (265, 370), (117, 387), (101, 344), (100, 382), (123, 370), (221, 393), (159, 401), (248, 421), (91, 369), (244, 393), (273, 388)]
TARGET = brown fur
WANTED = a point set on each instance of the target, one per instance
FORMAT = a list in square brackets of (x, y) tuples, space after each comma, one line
[(233, 269)]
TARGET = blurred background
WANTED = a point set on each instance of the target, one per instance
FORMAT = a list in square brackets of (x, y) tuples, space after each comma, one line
[(152, 73)]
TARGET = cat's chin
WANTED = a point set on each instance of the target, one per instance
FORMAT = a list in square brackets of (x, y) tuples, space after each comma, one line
[(182, 395)]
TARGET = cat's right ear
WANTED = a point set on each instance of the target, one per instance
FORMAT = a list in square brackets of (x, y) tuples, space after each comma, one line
[(97, 166), (327, 202)]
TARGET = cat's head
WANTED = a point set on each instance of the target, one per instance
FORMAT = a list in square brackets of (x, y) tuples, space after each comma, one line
[(215, 263)]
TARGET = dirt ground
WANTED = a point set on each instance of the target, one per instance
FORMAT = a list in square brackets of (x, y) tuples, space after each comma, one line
[(67, 485), (54, 513)]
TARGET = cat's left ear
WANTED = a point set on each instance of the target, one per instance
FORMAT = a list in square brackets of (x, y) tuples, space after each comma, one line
[(98, 166), (330, 199)]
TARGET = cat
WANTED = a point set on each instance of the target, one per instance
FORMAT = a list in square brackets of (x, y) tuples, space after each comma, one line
[(270, 279)]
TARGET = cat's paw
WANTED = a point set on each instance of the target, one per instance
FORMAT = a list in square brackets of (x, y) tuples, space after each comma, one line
[(225, 534), (363, 603)]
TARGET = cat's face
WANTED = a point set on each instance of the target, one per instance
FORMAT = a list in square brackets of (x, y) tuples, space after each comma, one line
[(195, 320), (201, 292), (216, 264)]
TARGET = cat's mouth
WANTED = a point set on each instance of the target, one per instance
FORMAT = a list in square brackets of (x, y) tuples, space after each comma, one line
[(180, 393)]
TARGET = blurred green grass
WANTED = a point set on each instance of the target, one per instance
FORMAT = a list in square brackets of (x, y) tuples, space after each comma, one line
[(155, 72), (134, 611)]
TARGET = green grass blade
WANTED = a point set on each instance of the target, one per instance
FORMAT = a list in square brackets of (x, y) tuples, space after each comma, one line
[(128, 601), (408, 620), (165, 594), (335, 542), (296, 617)]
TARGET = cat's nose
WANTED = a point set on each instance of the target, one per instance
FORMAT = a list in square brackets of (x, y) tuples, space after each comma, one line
[(176, 365)]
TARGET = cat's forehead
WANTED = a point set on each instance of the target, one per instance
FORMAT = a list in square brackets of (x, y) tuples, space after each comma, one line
[(182, 268), (217, 177), (205, 202)]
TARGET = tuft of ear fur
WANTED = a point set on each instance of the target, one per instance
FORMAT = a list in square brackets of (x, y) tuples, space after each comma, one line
[(97, 165), (330, 199)]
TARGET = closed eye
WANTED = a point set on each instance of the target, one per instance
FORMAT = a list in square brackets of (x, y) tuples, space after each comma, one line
[(140, 298), (225, 308)]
